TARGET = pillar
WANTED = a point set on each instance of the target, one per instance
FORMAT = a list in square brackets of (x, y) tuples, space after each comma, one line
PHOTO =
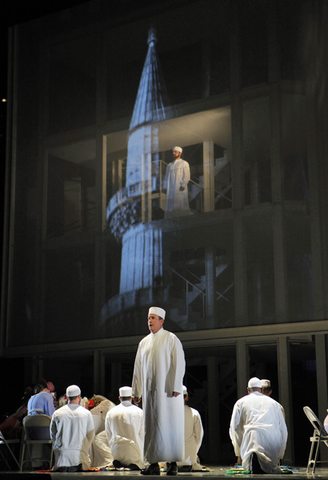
[(213, 412), (284, 383)]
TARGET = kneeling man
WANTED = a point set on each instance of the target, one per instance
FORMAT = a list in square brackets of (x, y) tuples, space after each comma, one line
[(72, 431), (258, 430), (125, 432)]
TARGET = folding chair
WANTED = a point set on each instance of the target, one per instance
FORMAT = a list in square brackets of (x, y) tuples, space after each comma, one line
[(37, 447), (7, 443), (319, 436)]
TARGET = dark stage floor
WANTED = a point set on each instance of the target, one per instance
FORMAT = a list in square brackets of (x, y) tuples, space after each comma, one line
[(216, 472)]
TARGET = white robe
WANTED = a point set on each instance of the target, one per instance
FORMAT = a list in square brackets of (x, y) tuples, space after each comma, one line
[(101, 454), (177, 201), (258, 425), (158, 371), (72, 432), (194, 433), (124, 427)]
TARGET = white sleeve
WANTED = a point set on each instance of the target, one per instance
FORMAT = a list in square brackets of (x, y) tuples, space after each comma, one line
[(137, 376), (198, 429)]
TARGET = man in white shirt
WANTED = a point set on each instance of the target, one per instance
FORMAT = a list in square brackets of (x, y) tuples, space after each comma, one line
[(176, 181), (72, 431), (258, 430), (124, 427), (157, 377), (194, 433), (267, 390)]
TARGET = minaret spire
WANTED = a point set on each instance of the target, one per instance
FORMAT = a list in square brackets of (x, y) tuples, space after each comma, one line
[(152, 98)]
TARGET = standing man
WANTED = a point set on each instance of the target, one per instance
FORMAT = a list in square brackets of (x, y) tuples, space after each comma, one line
[(194, 433), (72, 431), (176, 185), (258, 430), (158, 374), (124, 427)]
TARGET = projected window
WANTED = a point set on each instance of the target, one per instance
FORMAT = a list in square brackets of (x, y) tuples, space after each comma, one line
[(71, 189)]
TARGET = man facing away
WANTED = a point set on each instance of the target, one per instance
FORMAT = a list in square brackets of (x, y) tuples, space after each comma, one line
[(176, 181), (124, 427), (194, 433), (267, 390), (72, 431), (42, 403), (258, 430), (157, 377)]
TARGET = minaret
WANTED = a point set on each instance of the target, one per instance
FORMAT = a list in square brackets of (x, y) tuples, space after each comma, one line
[(130, 212)]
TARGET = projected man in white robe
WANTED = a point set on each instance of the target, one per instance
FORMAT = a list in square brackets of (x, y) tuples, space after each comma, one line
[(158, 378), (176, 181)]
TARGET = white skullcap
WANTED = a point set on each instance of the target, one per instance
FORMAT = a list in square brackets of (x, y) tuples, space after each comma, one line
[(73, 391), (125, 392), (157, 311), (254, 383), (179, 149), (185, 391), (266, 383)]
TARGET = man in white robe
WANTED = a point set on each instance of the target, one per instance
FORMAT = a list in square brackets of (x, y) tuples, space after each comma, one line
[(176, 181), (124, 427), (267, 390), (258, 431), (194, 433), (72, 431), (158, 375)]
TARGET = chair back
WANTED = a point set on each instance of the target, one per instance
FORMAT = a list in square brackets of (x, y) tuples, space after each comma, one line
[(315, 422), (36, 446), (36, 427)]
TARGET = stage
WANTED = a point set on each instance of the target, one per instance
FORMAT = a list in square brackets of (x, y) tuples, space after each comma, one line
[(215, 473)]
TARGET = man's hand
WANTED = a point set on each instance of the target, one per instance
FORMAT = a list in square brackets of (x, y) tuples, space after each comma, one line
[(175, 394), (136, 400), (182, 188)]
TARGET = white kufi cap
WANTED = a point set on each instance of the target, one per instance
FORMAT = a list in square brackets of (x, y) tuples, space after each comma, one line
[(254, 383), (125, 392), (179, 149), (185, 391), (266, 383), (157, 311), (73, 391)]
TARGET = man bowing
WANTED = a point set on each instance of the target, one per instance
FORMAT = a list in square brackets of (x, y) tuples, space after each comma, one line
[(157, 377)]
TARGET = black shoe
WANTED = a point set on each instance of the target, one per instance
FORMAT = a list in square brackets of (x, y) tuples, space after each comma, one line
[(172, 469), (132, 466), (185, 468), (152, 469), (255, 465), (118, 465)]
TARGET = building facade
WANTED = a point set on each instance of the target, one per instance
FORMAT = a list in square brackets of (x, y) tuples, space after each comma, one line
[(98, 98)]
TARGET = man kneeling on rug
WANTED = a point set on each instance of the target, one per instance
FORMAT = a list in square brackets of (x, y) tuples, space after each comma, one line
[(72, 431), (258, 430)]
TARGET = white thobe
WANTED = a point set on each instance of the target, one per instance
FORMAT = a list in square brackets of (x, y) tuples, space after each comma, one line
[(177, 201), (101, 454), (158, 372), (194, 433), (258, 426), (124, 427), (72, 432)]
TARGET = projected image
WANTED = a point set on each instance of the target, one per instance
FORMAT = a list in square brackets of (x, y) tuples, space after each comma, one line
[(176, 181), (169, 172)]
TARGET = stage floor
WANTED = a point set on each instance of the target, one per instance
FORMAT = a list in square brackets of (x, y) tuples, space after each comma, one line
[(216, 472)]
